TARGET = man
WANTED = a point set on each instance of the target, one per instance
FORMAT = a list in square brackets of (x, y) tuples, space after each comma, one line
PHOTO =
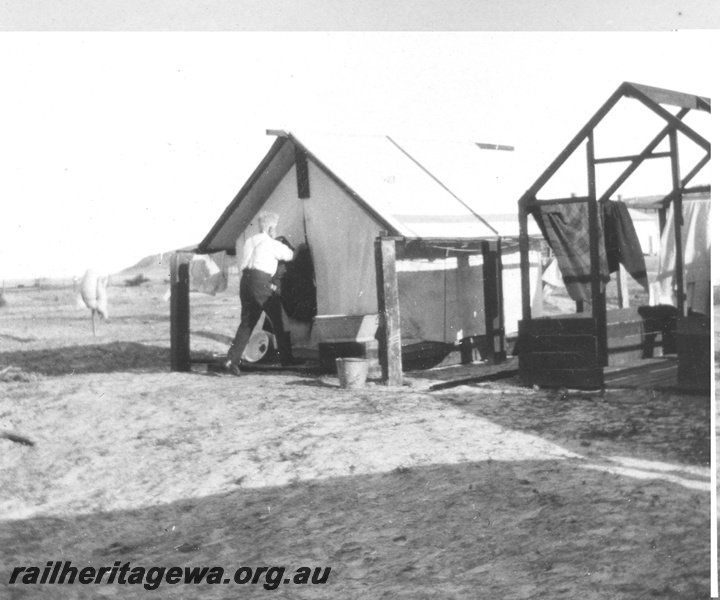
[(260, 256)]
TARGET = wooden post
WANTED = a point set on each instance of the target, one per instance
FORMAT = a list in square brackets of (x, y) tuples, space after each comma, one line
[(492, 290), (502, 352), (524, 263), (463, 274), (179, 314), (677, 202), (390, 346), (599, 309), (301, 172)]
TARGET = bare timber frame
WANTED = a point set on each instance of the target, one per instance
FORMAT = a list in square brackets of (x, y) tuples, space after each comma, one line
[(572, 350)]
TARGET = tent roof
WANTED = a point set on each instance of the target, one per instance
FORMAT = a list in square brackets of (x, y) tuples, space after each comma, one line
[(413, 188)]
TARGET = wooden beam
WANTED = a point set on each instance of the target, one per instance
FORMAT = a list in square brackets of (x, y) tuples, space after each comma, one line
[(501, 299), (576, 141), (463, 276), (445, 385), (615, 159), (696, 169), (301, 174), (492, 292), (179, 313), (390, 343), (682, 99), (632, 167), (671, 119), (599, 310), (571, 200), (453, 242), (524, 262), (678, 221), (503, 147), (281, 133)]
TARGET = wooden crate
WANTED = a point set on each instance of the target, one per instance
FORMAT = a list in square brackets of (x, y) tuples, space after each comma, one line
[(559, 352), (693, 349)]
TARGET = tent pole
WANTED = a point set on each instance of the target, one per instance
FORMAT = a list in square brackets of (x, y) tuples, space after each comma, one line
[(390, 344)]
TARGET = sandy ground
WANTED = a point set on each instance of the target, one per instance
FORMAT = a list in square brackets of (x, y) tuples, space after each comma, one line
[(484, 491)]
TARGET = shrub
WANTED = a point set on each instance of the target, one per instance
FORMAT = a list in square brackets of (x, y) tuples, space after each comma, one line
[(136, 281)]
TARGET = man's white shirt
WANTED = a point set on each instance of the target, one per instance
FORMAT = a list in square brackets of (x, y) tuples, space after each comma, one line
[(263, 253)]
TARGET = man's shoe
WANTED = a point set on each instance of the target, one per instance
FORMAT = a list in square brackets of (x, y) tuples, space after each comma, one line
[(231, 368)]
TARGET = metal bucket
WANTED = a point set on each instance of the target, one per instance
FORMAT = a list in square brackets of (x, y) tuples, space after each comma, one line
[(352, 372)]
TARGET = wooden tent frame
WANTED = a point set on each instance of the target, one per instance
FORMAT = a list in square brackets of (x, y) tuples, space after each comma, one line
[(579, 358)]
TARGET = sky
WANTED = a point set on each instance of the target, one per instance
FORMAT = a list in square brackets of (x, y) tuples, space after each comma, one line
[(368, 15), (117, 145)]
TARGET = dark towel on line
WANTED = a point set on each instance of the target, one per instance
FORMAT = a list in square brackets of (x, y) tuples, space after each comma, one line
[(621, 242), (565, 227)]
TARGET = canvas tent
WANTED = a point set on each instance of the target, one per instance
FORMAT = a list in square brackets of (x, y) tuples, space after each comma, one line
[(340, 193)]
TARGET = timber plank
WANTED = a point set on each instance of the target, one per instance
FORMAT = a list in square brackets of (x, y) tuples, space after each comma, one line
[(578, 344), (625, 329), (564, 326), (538, 361), (644, 374)]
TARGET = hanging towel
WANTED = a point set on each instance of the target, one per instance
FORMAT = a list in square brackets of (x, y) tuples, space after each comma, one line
[(565, 227), (208, 274), (622, 245), (696, 258)]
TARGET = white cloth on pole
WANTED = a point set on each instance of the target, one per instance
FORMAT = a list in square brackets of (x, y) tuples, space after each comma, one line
[(93, 291), (696, 258), (208, 273)]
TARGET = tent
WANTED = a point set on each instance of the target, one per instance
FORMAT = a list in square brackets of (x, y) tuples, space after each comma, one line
[(341, 193)]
